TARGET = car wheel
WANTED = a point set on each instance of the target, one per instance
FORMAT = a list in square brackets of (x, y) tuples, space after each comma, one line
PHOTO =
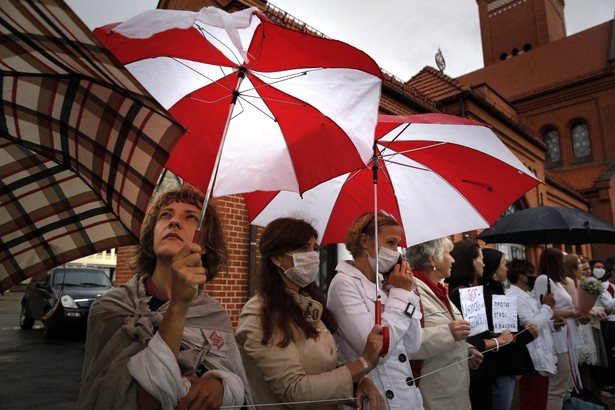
[(25, 322), (51, 327)]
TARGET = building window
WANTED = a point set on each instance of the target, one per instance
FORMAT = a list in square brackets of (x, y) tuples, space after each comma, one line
[(551, 140), (511, 250), (580, 141)]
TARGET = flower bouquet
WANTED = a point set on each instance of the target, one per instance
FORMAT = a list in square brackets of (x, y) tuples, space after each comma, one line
[(587, 292)]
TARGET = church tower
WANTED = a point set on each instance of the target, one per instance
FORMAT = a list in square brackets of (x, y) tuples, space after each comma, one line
[(511, 27)]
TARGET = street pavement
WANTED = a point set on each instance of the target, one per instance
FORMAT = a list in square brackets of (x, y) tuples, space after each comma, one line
[(36, 373)]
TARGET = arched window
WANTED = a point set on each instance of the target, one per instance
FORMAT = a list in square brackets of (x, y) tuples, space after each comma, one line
[(551, 140), (580, 141)]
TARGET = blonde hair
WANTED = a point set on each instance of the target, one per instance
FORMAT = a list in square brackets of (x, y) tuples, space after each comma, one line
[(364, 224)]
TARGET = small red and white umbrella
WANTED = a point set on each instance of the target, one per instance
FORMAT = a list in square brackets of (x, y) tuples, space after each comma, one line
[(266, 107), (438, 175)]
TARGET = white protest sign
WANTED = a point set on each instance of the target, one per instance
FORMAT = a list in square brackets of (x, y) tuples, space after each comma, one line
[(473, 309), (504, 312)]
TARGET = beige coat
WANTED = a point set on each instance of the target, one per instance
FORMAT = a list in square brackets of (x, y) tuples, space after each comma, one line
[(305, 370), (448, 388)]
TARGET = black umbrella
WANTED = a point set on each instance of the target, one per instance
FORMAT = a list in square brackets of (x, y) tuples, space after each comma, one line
[(549, 224)]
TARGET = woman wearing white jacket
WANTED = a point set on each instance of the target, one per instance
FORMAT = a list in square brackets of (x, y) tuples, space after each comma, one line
[(533, 388), (566, 337), (351, 298)]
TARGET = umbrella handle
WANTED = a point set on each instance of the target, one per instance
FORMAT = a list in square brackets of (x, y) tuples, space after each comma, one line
[(385, 329)]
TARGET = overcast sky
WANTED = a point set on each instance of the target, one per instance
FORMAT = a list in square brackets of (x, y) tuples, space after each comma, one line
[(402, 36)]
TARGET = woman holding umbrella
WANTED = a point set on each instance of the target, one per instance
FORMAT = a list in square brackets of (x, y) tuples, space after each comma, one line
[(159, 341), (284, 331), (443, 349), (351, 298)]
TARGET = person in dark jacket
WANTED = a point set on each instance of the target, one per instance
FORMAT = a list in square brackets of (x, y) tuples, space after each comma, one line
[(512, 359)]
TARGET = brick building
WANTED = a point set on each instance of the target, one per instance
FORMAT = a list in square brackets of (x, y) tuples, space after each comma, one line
[(550, 99)]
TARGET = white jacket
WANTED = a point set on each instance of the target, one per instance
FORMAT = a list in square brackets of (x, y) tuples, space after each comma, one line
[(606, 300), (563, 301), (351, 299), (530, 311)]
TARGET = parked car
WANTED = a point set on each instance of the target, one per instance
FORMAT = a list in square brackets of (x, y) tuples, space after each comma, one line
[(76, 289)]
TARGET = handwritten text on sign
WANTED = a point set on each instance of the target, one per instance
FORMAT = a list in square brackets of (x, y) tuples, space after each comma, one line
[(504, 311), (473, 309)]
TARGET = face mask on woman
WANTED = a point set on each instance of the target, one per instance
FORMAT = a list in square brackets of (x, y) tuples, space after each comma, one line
[(598, 272), (387, 258), (305, 268)]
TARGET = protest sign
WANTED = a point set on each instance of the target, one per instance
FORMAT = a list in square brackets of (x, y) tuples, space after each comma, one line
[(473, 309), (504, 313)]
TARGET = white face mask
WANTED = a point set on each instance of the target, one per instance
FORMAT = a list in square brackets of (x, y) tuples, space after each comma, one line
[(305, 268), (598, 273), (387, 258)]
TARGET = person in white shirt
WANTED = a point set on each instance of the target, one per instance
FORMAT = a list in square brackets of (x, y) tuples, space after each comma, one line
[(533, 388), (351, 297), (565, 332), (607, 301)]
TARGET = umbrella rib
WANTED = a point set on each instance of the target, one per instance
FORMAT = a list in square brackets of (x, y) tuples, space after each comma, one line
[(33, 147), (389, 161), (402, 152), (203, 75), (387, 145), (211, 48)]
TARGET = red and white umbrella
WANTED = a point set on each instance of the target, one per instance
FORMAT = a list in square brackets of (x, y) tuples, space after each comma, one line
[(283, 109), (438, 175)]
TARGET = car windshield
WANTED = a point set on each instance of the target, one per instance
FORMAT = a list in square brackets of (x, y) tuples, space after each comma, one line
[(82, 278)]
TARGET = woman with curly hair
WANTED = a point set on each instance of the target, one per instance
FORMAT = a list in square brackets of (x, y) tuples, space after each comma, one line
[(159, 341), (285, 331)]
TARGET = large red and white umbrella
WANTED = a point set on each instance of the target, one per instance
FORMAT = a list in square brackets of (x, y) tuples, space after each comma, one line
[(283, 109), (438, 175)]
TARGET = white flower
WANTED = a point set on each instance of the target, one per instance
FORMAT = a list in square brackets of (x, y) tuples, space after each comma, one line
[(591, 285)]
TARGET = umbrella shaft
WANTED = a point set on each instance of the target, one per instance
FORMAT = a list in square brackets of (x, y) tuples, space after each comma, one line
[(210, 187)]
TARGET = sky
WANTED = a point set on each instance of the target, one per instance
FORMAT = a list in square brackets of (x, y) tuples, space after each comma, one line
[(402, 36)]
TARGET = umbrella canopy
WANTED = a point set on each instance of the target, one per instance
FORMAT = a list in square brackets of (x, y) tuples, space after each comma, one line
[(438, 175), (549, 224), (81, 142), (284, 110)]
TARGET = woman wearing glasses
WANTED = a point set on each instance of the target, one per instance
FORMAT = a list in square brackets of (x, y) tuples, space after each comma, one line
[(351, 298)]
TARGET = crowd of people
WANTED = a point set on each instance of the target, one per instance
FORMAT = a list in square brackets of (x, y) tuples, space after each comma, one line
[(161, 342)]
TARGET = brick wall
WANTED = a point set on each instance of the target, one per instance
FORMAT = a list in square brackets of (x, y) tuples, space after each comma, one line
[(231, 288)]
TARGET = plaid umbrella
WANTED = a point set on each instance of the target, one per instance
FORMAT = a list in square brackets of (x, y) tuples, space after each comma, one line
[(81, 142)]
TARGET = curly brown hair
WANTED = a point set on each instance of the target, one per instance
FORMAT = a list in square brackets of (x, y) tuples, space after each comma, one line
[(213, 241), (364, 224)]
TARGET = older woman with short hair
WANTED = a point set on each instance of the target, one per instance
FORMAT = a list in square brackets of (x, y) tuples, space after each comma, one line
[(443, 344)]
